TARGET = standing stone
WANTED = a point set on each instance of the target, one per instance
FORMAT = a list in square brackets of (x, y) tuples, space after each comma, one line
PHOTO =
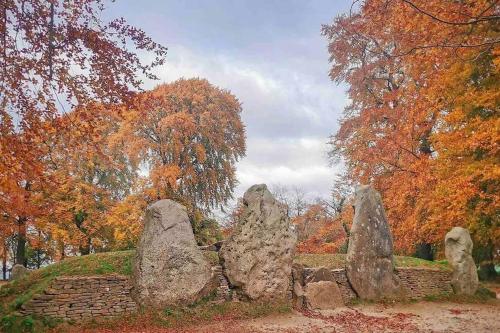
[(169, 269), (322, 291), (370, 262), (458, 251), (258, 256), (323, 295), (298, 285), (18, 271)]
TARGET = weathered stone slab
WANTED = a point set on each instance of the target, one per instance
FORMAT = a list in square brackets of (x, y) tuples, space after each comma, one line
[(169, 269), (258, 256), (458, 251), (323, 295), (370, 262), (18, 271)]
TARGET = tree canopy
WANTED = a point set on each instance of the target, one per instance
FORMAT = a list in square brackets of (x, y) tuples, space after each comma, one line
[(422, 125)]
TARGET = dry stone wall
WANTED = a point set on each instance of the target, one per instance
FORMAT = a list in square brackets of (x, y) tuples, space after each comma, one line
[(417, 282), (80, 297), (422, 282)]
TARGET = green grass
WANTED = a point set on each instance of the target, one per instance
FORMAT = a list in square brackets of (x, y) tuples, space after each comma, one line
[(482, 295), (334, 261), (16, 293)]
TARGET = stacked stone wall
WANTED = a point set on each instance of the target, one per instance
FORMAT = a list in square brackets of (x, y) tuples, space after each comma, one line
[(417, 282), (79, 297), (422, 282)]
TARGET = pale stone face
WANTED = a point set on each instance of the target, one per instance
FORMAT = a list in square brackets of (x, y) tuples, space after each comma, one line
[(169, 268), (458, 251), (18, 271), (258, 256), (323, 295), (370, 263)]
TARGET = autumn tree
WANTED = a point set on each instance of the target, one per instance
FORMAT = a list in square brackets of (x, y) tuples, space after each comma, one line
[(54, 56), (187, 136), (92, 175), (423, 80), (319, 231)]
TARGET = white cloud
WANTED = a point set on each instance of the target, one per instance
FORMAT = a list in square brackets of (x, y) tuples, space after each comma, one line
[(288, 112)]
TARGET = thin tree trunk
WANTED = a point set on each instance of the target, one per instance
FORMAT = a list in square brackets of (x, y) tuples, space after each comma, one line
[(85, 249), (21, 241), (63, 254), (4, 261)]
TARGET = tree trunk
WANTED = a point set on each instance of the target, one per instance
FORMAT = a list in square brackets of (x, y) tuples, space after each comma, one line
[(85, 249), (424, 251), (4, 262), (21, 241), (63, 254)]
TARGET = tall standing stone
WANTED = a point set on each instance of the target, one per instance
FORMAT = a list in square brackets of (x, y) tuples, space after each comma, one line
[(458, 251), (370, 262), (169, 269), (18, 272), (258, 256)]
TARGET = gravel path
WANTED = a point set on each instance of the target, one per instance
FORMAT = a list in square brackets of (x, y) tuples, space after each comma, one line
[(418, 317)]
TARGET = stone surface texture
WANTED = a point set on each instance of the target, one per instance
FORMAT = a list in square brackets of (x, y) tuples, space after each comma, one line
[(258, 256), (419, 282), (320, 274), (323, 295), (18, 271), (458, 251), (169, 268), (298, 285), (83, 297), (370, 262)]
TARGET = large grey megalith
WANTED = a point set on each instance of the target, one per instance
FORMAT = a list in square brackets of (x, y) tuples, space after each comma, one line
[(458, 251), (370, 262), (258, 256), (169, 268)]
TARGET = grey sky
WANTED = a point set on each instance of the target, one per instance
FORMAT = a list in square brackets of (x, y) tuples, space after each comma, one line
[(270, 54)]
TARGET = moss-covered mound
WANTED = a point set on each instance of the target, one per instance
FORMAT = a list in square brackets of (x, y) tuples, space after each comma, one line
[(334, 261), (14, 294)]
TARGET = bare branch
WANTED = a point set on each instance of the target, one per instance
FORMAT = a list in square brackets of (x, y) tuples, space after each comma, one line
[(474, 21)]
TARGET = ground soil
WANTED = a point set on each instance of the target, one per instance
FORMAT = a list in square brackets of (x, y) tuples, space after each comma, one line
[(418, 317)]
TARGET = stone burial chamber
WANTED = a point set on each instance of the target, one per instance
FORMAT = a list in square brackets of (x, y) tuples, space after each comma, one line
[(169, 268), (258, 256), (256, 264)]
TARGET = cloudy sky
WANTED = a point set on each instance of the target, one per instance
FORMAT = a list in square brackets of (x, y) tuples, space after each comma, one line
[(271, 55)]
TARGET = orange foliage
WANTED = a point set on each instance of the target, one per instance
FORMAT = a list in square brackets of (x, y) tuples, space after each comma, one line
[(319, 232), (189, 135), (423, 123), (54, 56)]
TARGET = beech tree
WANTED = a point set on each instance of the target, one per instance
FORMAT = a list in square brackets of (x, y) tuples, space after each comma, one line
[(188, 135), (56, 55), (319, 231), (421, 126), (92, 176)]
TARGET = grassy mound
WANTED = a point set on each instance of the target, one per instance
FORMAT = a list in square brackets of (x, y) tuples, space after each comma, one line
[(334, 261), (14, 294)]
